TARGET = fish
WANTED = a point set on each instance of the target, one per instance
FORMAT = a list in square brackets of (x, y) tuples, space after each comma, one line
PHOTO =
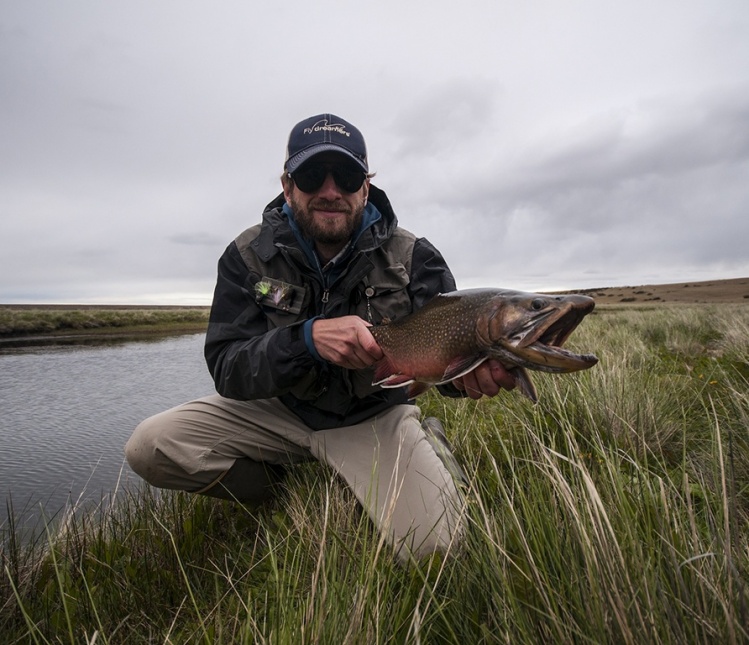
[(455, 332)]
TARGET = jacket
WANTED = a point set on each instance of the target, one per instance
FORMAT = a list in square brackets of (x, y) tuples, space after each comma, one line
[(267, 288)]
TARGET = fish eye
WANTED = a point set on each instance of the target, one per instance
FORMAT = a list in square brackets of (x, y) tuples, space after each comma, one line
[(538, 304)]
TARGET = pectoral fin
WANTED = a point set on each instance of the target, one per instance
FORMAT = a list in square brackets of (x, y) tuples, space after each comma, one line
[(524, 383), (385, 375), (416, 388), (461, 366), (395, 380)]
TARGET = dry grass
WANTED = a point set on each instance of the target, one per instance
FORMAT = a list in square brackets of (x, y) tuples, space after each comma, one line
[(707, 292)]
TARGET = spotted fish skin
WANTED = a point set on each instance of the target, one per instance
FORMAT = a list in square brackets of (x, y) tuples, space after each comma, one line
[(455, 332)]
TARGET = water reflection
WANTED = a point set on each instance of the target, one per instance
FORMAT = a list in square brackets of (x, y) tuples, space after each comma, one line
[(66, 412), (29, 344)]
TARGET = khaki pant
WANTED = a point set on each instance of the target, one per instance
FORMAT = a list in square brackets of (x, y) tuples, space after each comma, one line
[(387, 461)]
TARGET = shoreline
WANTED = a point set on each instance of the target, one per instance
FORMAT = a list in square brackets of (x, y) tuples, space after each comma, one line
[(45, 324), (93, 336), (30, 325)]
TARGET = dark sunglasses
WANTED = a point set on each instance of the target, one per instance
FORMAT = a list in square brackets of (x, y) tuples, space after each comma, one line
[(311, 176)]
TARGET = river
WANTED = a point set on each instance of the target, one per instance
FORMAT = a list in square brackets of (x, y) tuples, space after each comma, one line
[(67, 411)]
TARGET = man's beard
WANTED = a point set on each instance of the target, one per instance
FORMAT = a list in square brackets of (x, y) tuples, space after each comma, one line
[(328, 232)]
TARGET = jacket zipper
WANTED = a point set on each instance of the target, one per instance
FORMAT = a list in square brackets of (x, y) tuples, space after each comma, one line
[(323, 282)]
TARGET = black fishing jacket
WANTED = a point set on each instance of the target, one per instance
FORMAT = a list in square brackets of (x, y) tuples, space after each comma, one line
[(267, 288)]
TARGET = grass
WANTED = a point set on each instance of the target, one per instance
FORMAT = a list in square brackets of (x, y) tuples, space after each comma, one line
[(28, 321), (615, 510)]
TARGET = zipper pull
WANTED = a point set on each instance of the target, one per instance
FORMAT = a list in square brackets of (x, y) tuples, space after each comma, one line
[(325, 296), (369, 292)]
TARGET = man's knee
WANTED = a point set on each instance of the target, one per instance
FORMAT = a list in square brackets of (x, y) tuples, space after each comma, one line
[(155, 453), (135, 448), (141, 450)]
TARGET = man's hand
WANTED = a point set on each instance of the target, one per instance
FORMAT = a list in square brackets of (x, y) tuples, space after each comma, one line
[(346, 342), (488, 378)]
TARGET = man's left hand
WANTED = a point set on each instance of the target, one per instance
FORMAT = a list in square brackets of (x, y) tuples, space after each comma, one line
[(487, 379)]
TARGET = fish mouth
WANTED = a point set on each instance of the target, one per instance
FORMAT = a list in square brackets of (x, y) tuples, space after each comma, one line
[(539, 344), (551, 358)]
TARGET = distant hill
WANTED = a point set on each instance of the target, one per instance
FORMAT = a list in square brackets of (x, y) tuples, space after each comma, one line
[(711, 291), (715, 291)]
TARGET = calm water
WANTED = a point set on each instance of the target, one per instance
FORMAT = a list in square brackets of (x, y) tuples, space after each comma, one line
[(66, 413)]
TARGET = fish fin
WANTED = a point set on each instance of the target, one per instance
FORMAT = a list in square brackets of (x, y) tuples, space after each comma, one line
[(416, 388), (385, 375), (395, 380), (383, 371), (461, 366), (402, 380), (524, 383)]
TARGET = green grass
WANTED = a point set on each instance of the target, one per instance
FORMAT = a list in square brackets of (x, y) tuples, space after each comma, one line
[(19, 322), (615, 510)]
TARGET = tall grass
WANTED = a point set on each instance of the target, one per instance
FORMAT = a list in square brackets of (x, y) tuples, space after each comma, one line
[(27, 321), (615, 510)]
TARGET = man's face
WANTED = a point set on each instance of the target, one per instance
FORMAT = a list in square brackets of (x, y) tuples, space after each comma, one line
[(329, 215)]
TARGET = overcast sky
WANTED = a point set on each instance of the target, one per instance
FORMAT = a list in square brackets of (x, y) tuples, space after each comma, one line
[(539, 145)]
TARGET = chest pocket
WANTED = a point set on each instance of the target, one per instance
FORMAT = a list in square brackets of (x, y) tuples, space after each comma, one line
[(281, 302), (384, 295)]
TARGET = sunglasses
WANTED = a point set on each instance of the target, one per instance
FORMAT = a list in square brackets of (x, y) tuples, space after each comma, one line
[(311, 176)]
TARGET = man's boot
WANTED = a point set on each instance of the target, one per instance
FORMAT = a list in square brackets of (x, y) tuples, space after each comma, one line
[(246, 481)]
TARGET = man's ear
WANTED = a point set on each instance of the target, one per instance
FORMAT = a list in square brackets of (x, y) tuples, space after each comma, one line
[(366, 191), (288, 186)]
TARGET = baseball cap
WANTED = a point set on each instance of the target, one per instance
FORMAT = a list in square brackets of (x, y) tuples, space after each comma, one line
[(323, 133)]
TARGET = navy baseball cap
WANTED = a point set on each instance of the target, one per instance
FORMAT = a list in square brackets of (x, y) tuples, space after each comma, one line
[(324, 133)]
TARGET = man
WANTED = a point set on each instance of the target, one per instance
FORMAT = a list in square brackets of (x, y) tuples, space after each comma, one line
[(289, 348)]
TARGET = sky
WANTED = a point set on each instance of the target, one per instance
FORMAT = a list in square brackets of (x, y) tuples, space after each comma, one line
[(540, 145)]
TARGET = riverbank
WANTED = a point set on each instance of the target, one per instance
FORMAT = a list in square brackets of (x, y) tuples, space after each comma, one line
[(32, 324)]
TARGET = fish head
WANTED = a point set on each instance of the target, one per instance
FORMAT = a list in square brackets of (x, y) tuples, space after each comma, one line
[(529, 329)]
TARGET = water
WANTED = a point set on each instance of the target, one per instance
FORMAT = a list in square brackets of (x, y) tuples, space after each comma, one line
[(67, 411)]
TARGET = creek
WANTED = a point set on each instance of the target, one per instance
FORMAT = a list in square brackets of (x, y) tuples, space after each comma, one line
[(66, 412)]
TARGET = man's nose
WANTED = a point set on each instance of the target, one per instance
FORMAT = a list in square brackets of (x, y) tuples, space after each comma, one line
[(329, 189)]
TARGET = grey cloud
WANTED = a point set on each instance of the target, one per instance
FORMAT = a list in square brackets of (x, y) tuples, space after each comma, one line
[(678, 137), (613, 172), (446, 116), (657, 197), (196, 239), (102, 115)]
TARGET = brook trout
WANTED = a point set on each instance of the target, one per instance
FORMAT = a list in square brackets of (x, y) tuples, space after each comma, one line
[(455, 332)]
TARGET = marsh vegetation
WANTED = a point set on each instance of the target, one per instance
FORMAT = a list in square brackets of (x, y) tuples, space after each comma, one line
[(19, 321), (615, 510)]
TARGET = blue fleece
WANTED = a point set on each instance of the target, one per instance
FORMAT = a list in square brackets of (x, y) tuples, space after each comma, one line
[(370, 215)]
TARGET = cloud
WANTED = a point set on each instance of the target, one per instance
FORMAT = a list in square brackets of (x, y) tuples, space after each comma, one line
[(196, 239), (660, 184), (444, 119), (534, 144)]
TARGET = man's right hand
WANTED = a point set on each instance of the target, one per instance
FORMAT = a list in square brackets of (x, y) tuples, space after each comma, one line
[(346, 342)]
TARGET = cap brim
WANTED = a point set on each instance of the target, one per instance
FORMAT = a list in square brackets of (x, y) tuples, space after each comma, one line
[(305, 155)]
